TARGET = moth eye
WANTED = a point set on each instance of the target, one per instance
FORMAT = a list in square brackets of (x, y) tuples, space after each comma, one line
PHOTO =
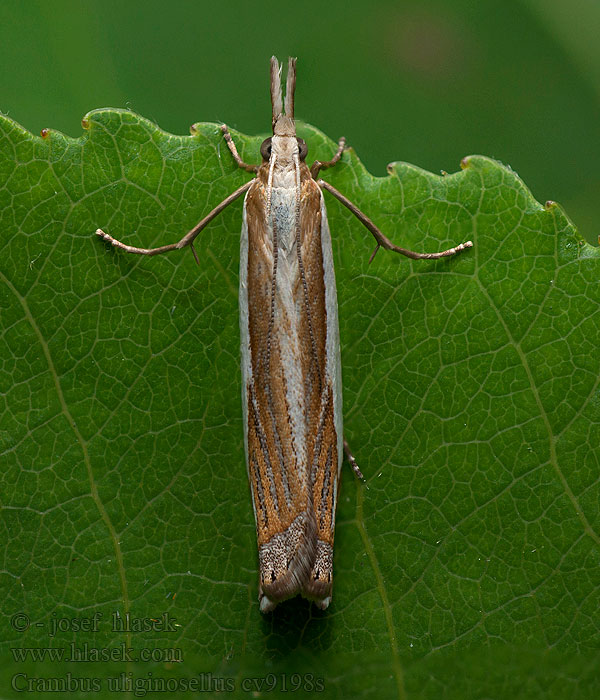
[(265, 149), (303, 148)]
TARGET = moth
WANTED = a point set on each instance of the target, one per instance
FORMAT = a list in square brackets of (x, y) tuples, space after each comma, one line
[(290, 353)]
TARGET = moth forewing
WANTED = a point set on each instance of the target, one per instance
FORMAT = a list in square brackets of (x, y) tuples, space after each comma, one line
[(290, 353)]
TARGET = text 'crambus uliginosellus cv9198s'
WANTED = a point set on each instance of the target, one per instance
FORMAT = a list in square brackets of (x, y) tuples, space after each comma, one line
[(290, 353)]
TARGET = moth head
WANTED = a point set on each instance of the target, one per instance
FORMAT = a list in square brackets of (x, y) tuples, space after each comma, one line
[(266, 147), (283, 112)]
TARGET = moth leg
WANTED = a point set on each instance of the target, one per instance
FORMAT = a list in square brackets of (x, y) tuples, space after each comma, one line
[(382, 240), (323, 165), (353, 463), (234, 151), (188, 239)]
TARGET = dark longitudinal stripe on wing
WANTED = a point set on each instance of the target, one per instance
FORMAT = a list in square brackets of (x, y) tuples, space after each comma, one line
[(261, 467), (325, 488), (324, 472)]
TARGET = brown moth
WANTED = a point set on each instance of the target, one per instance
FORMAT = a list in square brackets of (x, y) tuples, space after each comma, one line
[(290, 353)]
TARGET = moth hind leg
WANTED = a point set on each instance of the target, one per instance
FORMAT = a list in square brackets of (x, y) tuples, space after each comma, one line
[(352, 460)]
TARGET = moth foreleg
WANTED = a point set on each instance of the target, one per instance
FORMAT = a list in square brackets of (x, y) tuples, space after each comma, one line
[(234, 152), (382, 240), (323, 165)]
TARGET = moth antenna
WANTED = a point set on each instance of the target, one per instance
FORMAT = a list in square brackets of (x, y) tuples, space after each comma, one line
[(290, 88), (276, 100)]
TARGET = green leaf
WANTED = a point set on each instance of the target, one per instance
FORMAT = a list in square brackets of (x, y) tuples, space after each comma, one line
[(468, 563)]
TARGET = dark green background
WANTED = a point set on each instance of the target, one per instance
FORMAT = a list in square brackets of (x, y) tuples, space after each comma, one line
[(468, 565), (425, 82)]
